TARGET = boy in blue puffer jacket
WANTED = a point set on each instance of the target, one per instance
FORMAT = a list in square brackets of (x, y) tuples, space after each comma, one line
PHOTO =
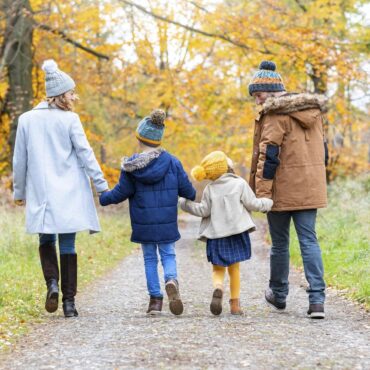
[(152, 181)]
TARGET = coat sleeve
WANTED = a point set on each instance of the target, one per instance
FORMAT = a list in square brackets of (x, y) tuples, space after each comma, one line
[(202, 209), (123, 190), (86, 155), (20, 163), (269, 149), (252, 203), (186, 189)]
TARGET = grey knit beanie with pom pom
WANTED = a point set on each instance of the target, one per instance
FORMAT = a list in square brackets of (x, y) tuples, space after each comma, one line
[(266, 79), (57, 82), (150, 129)]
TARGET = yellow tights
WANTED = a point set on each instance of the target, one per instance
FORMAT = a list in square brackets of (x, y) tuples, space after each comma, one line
[(234, 273)]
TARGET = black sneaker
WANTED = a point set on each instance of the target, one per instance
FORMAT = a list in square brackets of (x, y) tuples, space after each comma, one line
[(271, 301), (316, 311)]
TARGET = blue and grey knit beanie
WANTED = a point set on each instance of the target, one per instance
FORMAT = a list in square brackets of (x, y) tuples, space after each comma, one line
[(266, 79), (57, 82), (150, 129)]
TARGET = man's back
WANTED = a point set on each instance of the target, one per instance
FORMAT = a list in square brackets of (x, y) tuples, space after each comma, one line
[(289, 153)]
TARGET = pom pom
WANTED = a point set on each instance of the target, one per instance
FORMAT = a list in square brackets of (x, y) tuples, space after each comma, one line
[(267, 65), (49, 66), (198, 173), (157, 117)]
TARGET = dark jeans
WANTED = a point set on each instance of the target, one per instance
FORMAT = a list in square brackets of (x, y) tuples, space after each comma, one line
[(304, 222), (66, 242)]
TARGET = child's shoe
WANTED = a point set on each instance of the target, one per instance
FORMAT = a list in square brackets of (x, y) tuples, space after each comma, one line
[(216, 303), (155, 306), (235, 307), (172, 290)]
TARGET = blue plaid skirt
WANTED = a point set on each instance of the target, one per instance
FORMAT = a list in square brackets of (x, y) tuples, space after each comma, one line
[(229, 250)]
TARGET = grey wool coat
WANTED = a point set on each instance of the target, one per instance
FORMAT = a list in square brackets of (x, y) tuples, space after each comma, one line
[(52, 164)]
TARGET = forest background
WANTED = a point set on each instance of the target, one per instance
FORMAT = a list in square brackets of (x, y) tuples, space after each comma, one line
[(194, 59)]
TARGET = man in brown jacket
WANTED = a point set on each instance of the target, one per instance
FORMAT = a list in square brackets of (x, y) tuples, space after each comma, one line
[(288, 166)]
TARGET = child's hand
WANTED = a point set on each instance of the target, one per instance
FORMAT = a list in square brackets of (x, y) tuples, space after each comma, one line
[(182, 202), (269, 203), (104, 191)]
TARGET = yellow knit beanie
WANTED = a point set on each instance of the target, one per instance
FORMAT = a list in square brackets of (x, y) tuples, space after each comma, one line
[(212, 167)]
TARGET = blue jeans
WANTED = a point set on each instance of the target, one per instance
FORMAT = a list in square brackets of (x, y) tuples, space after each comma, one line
[(304, 222), (168, 259), (66, 242)]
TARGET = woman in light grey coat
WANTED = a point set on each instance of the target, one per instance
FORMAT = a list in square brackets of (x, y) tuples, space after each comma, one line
[(52, 164)]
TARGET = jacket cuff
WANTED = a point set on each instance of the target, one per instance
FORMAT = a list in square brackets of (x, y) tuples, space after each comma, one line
[(102, 186), (19, 195), (264, 189)]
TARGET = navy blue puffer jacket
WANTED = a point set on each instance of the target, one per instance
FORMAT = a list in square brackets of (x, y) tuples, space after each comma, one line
[(152, 182)]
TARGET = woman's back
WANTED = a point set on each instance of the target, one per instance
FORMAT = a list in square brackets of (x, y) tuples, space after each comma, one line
[(52, 159)]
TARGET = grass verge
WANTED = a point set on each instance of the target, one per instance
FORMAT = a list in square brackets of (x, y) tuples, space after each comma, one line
[(344, 236), (22, 288)]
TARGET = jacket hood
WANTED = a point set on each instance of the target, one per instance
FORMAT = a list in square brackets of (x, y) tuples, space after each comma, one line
[(148, 168), (304, 108)]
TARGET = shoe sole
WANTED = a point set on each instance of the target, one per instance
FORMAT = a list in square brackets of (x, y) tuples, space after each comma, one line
[(216, 303), (154, 313), (316, 315), (176, 306), (239, 313), (274, 307), (71, 314), (51, 304)]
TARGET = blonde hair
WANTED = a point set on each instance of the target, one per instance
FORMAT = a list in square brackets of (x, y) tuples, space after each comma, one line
[(61, 102)]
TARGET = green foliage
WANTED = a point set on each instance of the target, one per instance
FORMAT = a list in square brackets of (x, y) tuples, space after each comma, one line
[(22, 288), (343, 231)]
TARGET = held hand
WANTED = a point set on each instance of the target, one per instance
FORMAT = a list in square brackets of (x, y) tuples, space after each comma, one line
[(181, 202), (20, 202), (270, 203), (104, 191)]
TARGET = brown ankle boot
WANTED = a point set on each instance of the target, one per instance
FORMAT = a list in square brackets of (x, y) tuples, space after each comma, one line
[(216, 303), (155, 306), (172, 290), (235, 307)]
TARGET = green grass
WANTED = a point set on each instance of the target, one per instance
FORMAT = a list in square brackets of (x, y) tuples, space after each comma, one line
[(344, 236), (22, 288)]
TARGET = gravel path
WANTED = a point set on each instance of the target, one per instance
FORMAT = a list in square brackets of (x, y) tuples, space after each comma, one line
[(113, 331)]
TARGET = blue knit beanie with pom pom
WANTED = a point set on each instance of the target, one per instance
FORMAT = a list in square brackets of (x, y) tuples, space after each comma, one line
[(266, 79)]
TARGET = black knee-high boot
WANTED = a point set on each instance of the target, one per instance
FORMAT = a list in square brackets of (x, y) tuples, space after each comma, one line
[(49, 263), (68, 267)]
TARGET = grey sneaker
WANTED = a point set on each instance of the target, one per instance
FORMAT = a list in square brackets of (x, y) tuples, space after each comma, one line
[(271, 301), (316, 311)]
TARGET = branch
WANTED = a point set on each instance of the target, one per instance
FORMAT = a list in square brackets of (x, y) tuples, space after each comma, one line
[(198, 6), (66, 38), (192, 29), (298, 2)]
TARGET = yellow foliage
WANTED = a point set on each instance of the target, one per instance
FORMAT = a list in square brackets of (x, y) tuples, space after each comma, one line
[(201, 82)]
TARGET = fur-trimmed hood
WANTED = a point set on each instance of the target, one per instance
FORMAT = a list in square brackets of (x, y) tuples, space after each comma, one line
[(139, 161), (292, 102), (149, 167)]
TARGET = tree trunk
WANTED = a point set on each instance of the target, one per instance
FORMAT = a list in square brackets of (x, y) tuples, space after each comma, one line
[(320, 81), (19, 29)]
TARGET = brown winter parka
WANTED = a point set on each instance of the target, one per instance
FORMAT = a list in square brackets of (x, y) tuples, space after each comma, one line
[(289, 152)]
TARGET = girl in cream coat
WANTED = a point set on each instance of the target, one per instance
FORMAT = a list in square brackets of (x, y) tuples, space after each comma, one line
[(226, 223)]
